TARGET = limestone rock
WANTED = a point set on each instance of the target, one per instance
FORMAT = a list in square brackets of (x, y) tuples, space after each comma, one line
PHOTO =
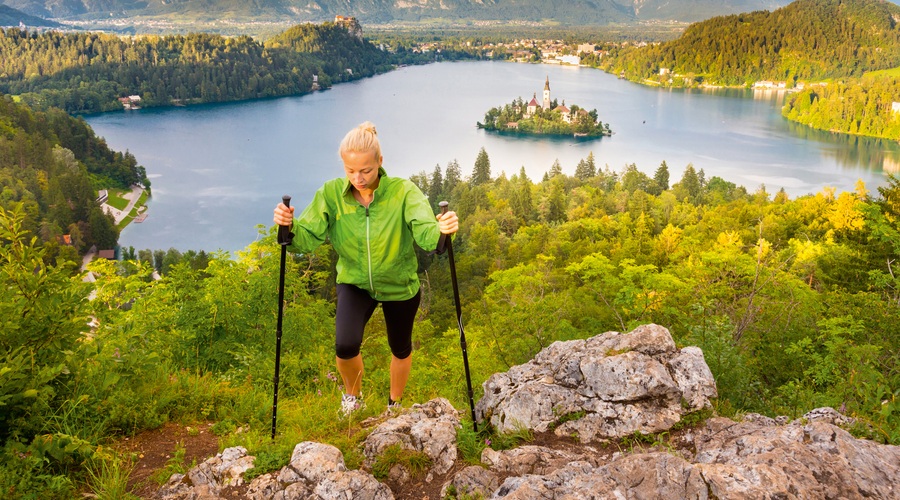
[(352, 485), (616, 384), (474, 481), (733, 460), (429, 428), (209, 478)]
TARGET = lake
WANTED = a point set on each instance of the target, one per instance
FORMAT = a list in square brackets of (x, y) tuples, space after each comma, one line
[(217, 171)]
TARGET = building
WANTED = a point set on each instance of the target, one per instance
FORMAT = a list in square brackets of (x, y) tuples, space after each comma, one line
[(564, 112), (532, 106), (546, 103), (351, 24), (586, 48)]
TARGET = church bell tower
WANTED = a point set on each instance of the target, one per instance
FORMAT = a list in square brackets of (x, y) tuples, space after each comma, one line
[(546, 104)]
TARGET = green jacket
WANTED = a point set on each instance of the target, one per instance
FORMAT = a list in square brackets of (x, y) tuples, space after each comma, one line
[(375, 244)]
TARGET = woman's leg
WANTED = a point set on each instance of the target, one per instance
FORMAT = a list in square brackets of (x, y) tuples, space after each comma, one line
[(354, 308), (399, 318)]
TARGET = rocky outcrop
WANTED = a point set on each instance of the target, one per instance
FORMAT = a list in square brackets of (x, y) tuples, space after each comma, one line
[(598, 390), (803, 459), (428, 428), (608, 386), (208, 479)]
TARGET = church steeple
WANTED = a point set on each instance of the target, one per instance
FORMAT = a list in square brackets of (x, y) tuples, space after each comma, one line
[(546, 104)]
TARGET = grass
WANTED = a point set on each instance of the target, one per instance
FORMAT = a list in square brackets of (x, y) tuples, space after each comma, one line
[(174, 465), (108, 477), (415, 462), (116, 200)]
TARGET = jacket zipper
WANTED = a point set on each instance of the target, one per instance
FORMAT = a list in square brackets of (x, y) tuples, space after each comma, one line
[(369, 252)]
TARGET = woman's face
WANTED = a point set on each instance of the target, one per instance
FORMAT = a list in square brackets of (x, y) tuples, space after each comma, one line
[(362, 169)]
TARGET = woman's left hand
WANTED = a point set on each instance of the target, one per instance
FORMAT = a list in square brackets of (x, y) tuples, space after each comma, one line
[(448, 222)]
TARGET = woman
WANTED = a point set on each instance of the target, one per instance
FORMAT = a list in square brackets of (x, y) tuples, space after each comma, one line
[(372, 221)]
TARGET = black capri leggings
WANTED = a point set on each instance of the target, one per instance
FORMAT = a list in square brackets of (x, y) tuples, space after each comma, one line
[(355, 307)]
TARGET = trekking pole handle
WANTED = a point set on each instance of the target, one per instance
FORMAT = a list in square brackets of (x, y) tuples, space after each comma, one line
[(444, 206), (284, 232)]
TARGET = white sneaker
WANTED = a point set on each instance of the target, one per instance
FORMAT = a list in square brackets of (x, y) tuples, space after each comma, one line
[(350, 404), (394, 407)]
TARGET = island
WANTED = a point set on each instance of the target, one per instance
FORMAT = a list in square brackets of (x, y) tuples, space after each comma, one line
[(544, 118)]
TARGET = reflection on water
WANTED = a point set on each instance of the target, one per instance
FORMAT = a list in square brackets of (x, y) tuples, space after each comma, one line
[(852, 151)]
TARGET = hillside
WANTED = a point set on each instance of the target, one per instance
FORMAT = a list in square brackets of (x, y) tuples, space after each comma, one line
[(12, 17), (382, 11), (789, 44), (90, 72), (51, 167)]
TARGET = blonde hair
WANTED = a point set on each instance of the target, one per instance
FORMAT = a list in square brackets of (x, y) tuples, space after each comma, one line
[(361, 139)]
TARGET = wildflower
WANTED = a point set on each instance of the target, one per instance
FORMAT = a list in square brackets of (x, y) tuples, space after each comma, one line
[(487, 442)]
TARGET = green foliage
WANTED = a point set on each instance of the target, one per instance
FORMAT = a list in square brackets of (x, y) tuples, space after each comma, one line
[(108, 477), (416, 462), (270, 457), (176, 464), (53, 164), (789, 44), (89, 72)]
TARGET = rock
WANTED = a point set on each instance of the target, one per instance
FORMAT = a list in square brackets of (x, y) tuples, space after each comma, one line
[(209, 478), (617, 384), (313, 462), (352, 485), (474, 481), (429, 428), (733, 460), (527, 460)]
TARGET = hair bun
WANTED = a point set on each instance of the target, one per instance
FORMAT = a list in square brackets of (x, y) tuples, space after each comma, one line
[(368, 127)]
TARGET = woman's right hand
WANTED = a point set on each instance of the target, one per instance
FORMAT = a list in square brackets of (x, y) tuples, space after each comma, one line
[(284, 216)]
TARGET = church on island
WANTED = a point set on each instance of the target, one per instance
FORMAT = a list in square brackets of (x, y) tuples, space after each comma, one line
[(544, 117), (564, 112)]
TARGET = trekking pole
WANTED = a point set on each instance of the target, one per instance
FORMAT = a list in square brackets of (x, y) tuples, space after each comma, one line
[(462, 334), (284, 239)]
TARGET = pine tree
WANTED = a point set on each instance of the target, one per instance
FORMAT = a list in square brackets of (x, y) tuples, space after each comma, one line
[(523, 202), (482, 172), (556, 169), (690, 183), (436, 187), (661, 177), (452, 177)]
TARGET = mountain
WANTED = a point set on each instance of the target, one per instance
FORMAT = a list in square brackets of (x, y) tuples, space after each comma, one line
[(380, 11), (12, 17)]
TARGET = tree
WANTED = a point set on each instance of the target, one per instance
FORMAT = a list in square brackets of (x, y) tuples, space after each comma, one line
[(523, 202), (436, 187), (689, 187), (452, 177), (661, 177), (482, 171), (555, 169), (586, 168)]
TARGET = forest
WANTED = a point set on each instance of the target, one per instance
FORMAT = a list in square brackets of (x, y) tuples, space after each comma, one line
[(862, 106), (840, 70), (807, 40), (794, 303), (52, 166), (89, 72)]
